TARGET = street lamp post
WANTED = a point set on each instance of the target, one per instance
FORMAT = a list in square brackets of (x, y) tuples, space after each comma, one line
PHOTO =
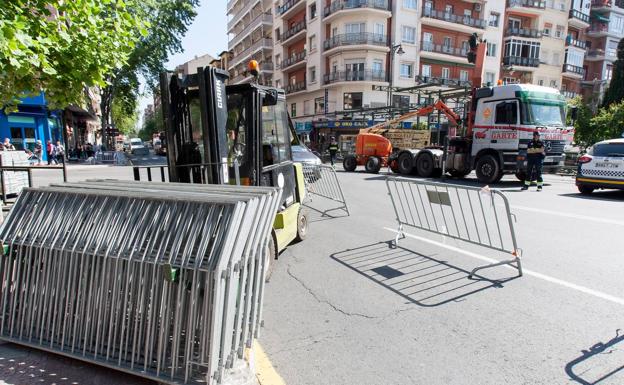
[(394, 49)]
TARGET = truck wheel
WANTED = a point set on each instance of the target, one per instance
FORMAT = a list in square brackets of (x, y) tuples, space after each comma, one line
[(459, 174), (424, 165), (373, 165), (521, 175), (302, 225), (585, 190), (405, 163), (488, 170), (271, 257), (349, 163)]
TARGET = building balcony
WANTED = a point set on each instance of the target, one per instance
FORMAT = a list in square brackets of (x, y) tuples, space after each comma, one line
[(264, 19), (523, 32), (578, 19), (289, 7), (294, 61), (571, 42), (361, 40), (529, 62), (601, 54), (441, 51), (355, 76), (451, 21), (442, 82), (606, 5), (569, 94), (532, 7), (599, 30), (240, 13), (296, 87), (573, 71), (291, 34), (360, 6), (264, 43)]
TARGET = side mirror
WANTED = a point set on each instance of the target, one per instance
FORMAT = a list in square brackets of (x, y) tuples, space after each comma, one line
[(270, 98)]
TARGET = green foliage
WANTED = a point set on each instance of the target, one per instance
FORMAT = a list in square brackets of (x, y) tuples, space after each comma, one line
[(615, 92), (608, 123), (61, 47), (583, 131), (124, 115), (152, 125)]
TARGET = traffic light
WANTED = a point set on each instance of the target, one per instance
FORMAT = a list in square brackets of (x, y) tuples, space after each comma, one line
[(473, 43)]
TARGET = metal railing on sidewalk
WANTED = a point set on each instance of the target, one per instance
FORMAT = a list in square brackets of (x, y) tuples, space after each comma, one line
[(114, 157), (322, 181), (163, 281), (478, 216)]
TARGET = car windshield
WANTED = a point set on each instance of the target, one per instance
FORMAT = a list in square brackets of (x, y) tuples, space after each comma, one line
[(135, 141), (607, 149), (542, 113)]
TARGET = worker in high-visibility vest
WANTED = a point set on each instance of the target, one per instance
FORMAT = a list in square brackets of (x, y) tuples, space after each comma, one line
[(535, 161), (333, 149)]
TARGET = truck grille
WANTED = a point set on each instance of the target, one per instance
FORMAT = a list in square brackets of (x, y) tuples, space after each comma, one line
[(556, 146)]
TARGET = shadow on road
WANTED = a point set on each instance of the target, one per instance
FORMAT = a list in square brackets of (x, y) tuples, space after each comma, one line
[(421, 279), (609, 195), (599, 363)]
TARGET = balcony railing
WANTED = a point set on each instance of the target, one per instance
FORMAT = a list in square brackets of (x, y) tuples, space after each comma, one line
[(355, 4), (240, 13), (355, 76), (538, 4), (295, 29), (521, 61), (264, 18), (293, 59), (569, 94), (576, 14), (598, 28), (574, 69), (356, 39), (609, 54), (287, 6), (428, 46), (523, 32), (291, 88), (570, 41), (453, 18), (451, 82), (262, 43)]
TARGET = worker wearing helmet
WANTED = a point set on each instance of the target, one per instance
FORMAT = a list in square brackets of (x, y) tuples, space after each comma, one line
[(535, 160)]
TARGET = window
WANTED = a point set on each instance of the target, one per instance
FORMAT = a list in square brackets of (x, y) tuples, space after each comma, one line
[(307, 107), (556, 60), (553, 83), (448, 9), (275, 135), (522, 48), (463, 75), (401, 101), (355, 28), (319, 106), (491, 49), (406, 70), (540, 82), (426, 70), (609, 72), (312, 41), (293, 110), (427, 43), (574, 58), (428, 7), (544, 56), (446, 73), (494, 19), (278, 61), (546, 30), (559, 32), (489, 78), (312, 74), (508, 80), (380, 29), (409, 4), (514, 23), (409, 35), (506, 113), (312, 12), (352, 100), (377, 67)]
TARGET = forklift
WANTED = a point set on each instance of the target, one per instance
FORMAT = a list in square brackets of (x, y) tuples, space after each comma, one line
[(235, 134)]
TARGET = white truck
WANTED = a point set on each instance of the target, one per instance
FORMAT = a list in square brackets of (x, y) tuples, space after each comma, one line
[(500, 124)]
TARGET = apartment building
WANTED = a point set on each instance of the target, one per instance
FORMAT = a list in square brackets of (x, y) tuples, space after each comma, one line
[(603, 35), (343, 55), (250, 37), (574, 70)]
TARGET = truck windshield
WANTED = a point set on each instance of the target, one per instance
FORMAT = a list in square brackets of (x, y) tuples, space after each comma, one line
[(542, 113)]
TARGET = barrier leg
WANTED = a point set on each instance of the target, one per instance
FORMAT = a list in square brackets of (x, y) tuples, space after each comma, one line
[(510, 262), (400, 235)]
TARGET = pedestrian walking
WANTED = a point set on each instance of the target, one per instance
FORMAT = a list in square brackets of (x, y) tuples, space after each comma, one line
[(8, 146), (535, 161), (60, 152), (38, 151), (333, 149), (50, 152)]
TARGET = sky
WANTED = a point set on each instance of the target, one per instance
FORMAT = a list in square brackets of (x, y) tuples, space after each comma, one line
[(207, 35)]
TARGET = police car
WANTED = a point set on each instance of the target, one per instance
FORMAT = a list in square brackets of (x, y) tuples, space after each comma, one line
[(601, 167)]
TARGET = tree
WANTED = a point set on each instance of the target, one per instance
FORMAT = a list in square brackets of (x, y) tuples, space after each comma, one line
[(169, 20), (608, 123), (60, 47), (583, 131), (152, 125), (615, 92), (125, 118)]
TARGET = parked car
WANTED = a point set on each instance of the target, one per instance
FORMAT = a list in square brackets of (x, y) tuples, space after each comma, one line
[(602, 167), (137, 147), (302, 154)]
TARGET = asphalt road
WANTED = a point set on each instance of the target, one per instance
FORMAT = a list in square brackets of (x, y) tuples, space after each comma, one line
[(330, 320)]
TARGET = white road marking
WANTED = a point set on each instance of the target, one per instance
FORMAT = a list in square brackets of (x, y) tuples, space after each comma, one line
[(569, 285), (569, 215)]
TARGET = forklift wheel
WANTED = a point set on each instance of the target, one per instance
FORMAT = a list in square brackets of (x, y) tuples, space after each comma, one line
[(349, 163), (373, 165), (302, 225), (271, 256)]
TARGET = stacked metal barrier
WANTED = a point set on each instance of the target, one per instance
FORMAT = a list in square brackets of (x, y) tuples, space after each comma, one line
[(322, 181), (159, 280)]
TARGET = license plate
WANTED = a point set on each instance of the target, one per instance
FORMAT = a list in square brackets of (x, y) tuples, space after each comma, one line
[(552, 159), (607, 165)]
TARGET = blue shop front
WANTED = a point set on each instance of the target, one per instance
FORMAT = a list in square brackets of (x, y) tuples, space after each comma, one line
[(33, 121)]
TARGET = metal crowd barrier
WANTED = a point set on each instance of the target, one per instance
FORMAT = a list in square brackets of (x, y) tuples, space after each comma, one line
[(114, 157), (322, 181), (161, 281), (479, 216), (194, 173)]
